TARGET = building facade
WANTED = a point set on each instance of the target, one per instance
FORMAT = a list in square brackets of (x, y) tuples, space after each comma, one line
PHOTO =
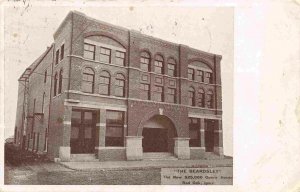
[(116, 94)]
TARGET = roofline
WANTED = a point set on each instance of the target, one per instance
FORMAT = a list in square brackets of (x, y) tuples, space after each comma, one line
[(41, 59), (38, 62), (132, 31)]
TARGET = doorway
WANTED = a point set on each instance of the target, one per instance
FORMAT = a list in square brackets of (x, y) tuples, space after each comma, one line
[(155, 140), (209, 135), (83, 126), (158, 135)]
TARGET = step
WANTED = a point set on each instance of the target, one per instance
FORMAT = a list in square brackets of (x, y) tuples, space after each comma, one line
[(83, 157), (155, 156)]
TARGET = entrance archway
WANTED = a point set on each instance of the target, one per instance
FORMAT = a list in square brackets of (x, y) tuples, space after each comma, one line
[(158, 133)]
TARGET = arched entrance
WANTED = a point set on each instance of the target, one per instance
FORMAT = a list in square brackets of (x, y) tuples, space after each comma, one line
[(158, 133)]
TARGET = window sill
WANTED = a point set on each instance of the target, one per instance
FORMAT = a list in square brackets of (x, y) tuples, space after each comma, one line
[(110, 147), (58, 95)]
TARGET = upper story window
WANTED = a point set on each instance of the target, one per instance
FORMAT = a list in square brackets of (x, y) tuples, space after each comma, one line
[(88, 80), (203, 72), (171, 67), (43, 102), (120, 85), (191, 96), (55, 84), (62, 51), (104, 86), (60, 81), (158, 93), (45, 77), (145, 61), (171, 95), (105, 55), (158, 64), (89, 51), (208, 77), (199, 75), (120, 58), (145, 91), (190, 74), (57, 57), (201, 98), (209, 99)]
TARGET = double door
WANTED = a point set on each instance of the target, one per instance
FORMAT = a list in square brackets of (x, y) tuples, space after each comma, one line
[(155, 140), (83, 126)]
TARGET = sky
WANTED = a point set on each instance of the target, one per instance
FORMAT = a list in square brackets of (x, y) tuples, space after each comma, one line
[(28, 32)]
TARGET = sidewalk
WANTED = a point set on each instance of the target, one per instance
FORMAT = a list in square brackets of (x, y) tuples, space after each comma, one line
[(121, 165)]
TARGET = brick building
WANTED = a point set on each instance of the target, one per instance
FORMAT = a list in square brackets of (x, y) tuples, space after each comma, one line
[(116, 94)]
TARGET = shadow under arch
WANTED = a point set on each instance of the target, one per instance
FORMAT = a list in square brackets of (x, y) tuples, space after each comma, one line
[(158, 134)]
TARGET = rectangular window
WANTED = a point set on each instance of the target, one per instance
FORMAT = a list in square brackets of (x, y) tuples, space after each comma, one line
[(114, 128), (158, 67), (62, 51), (208, 77), (120, 58), (199, 76), (45, 141), (45, 77), (190, 74), (171, 95), (89, 51), (145, 77), (194, 129), (144, 64), (158, 80), (172, 83), (104, 86), (158, 93), (171, 70), (104, 55), (57, 57), (145, 93)]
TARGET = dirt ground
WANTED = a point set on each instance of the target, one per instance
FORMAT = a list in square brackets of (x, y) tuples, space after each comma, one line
[(56, 174)]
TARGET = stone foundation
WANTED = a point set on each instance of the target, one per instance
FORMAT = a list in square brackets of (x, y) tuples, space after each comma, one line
[(112, 153), (65, 153), (134, 149), (182, 148)]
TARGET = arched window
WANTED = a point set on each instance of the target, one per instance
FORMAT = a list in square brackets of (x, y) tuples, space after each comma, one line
[(158, 64), (191, 96), (55, 84), (88, 80), (104, 86), (209, 99), (201, 98), (60, 81), (171, 67), (145, 61), (120, 85)]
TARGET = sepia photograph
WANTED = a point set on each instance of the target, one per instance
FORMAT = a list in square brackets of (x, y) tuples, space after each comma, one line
[(118, 95), (139, 95)]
